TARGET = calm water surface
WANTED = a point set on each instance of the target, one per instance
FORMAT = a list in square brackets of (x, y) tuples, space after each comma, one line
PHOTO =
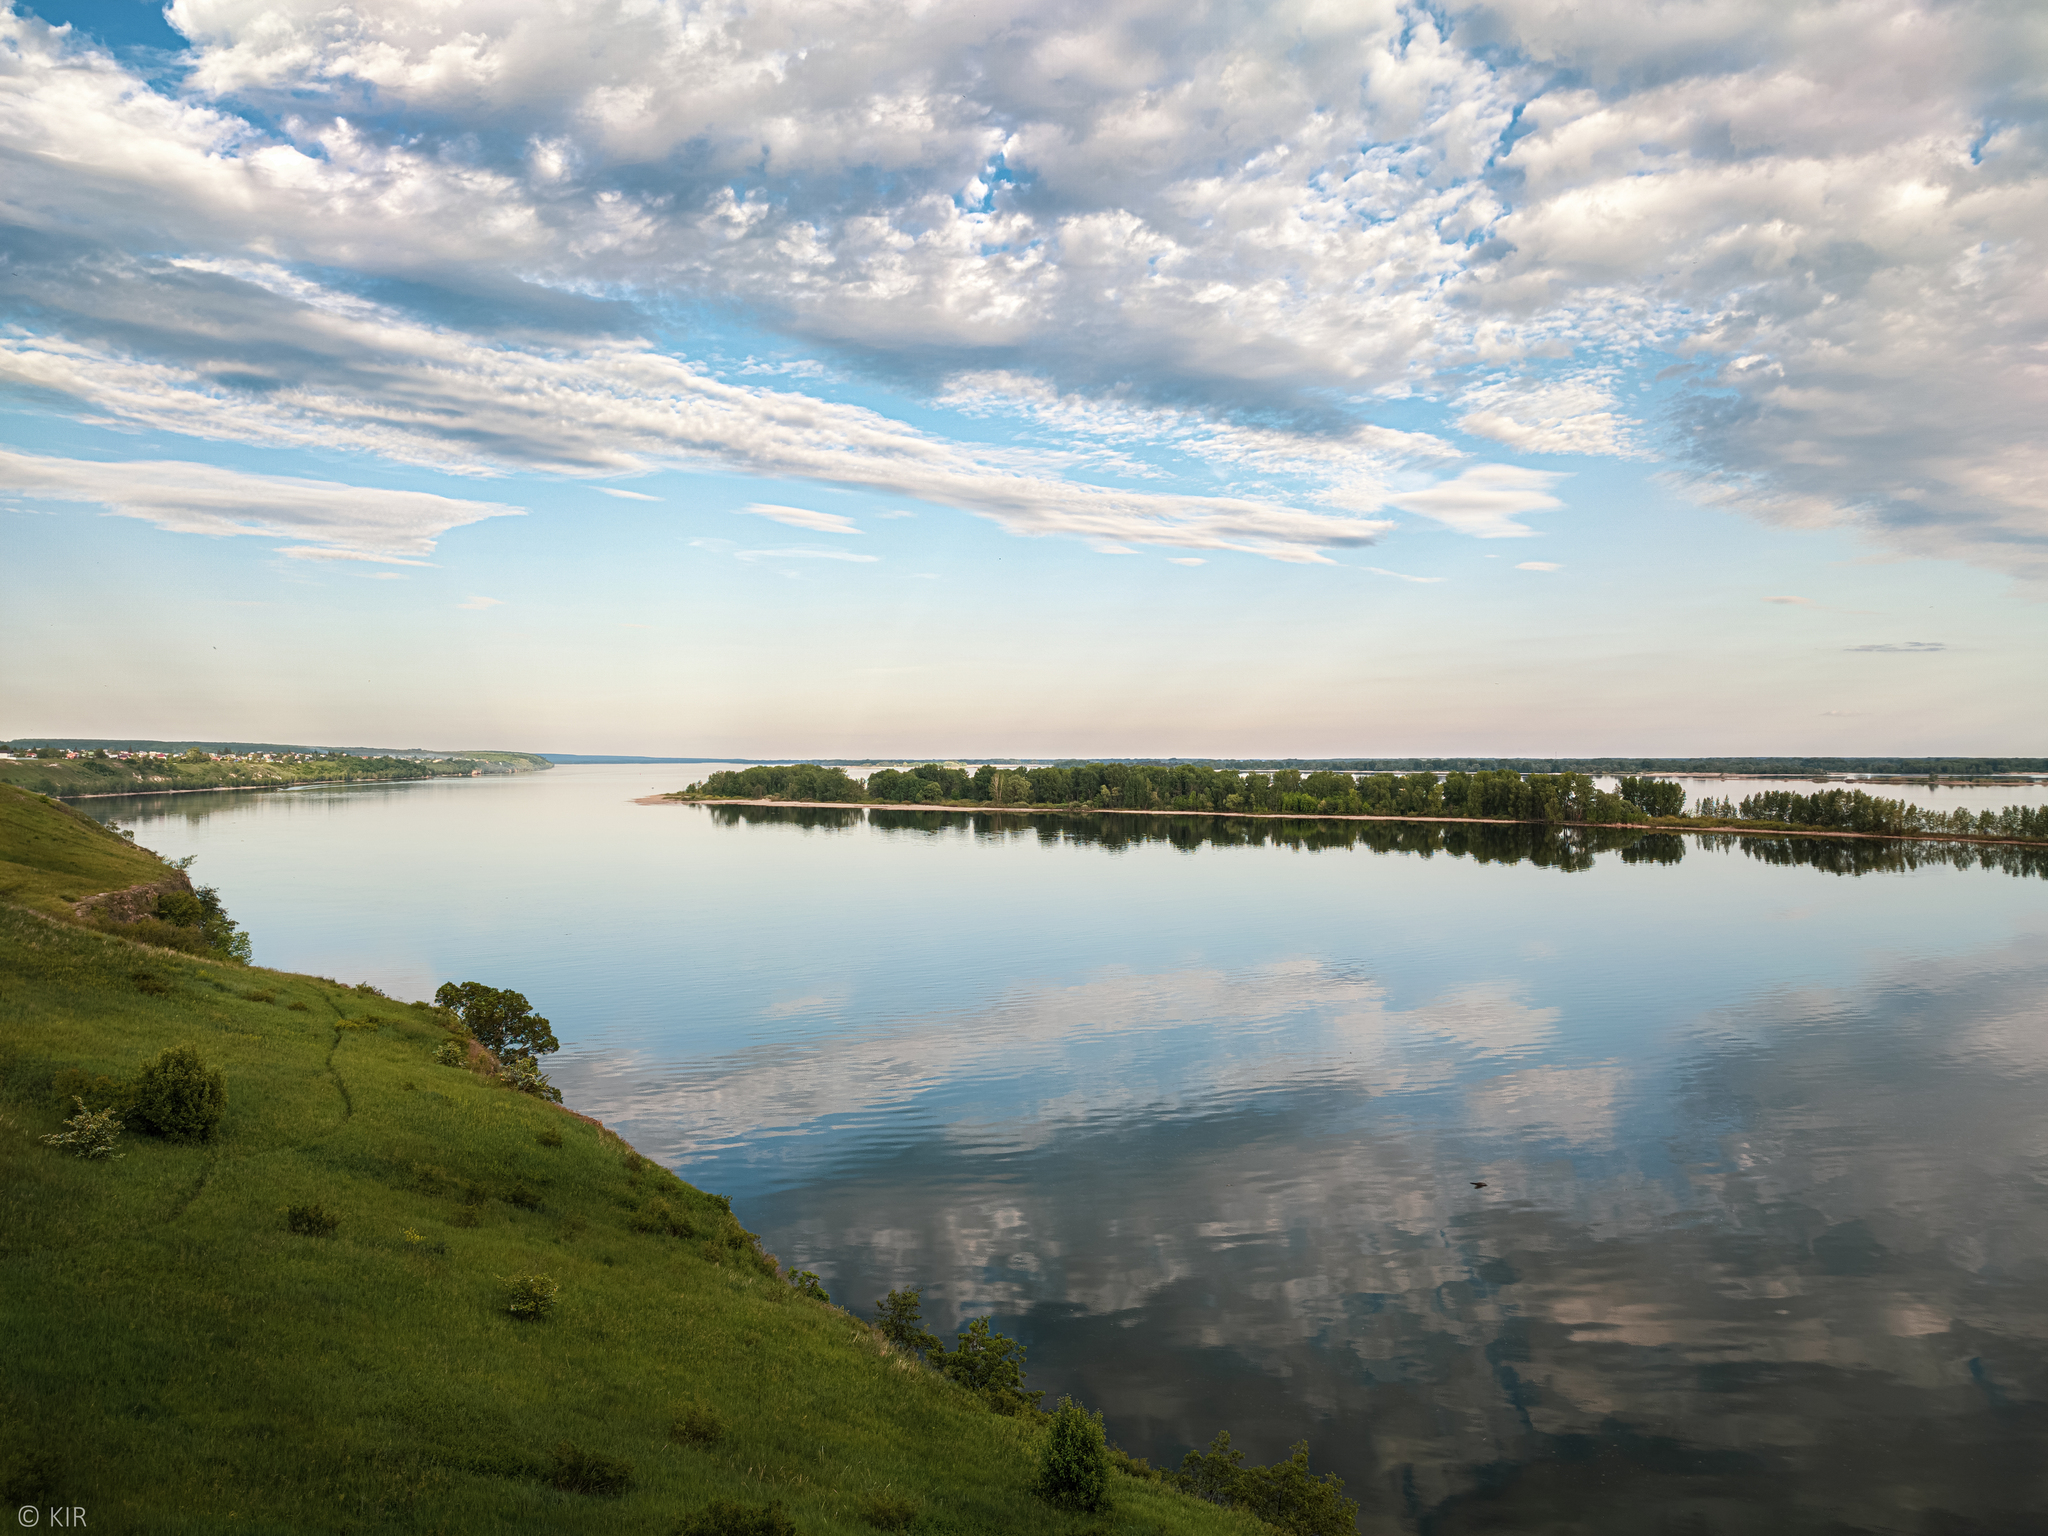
[(1764, 1238)]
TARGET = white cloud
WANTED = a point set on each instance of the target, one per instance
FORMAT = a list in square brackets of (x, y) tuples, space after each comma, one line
[(804, 554), (610, 490), (1539, 565), (1485, 501), (1229, 232), (351, 522), (1423, 581), (1904, 647), (801, 517), (1185, 560), (480, 603), (887, 516)]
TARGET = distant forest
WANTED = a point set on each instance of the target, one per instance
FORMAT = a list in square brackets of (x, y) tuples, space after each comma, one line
[(1492, 794)]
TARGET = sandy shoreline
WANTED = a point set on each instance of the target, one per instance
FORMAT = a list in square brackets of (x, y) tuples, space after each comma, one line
[(1737, 829)]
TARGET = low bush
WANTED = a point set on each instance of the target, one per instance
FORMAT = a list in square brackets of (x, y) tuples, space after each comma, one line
[(1073, 1460), (580, 1471), (991, 1366), (1284, 1495), (523, 1195), (721, 1517), (531, 1297), (89, 1133), (451, 1053), (524, 1074), (657, 1215), (299, 1007), (804, 1283), (696, 1426), (899, 1318), (889, 1512), (177, 1096), (148, 981), (311, 1220), (550, 1136)]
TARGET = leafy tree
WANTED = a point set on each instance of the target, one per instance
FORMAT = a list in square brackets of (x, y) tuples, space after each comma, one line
[(991, 1366), (1073, 1460), (900, 1317), (501, 1020), (1285, 1494)]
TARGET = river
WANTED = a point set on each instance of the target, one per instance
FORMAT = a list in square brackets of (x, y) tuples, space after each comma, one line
[(1202, 1112)]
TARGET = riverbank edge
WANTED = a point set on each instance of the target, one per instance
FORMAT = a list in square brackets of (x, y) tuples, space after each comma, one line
[(1666, 824)]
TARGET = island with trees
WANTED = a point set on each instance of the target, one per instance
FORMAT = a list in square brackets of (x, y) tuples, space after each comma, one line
[(1498, 795)]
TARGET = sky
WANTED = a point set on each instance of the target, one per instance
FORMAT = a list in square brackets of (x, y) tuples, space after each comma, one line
[(959, 379)]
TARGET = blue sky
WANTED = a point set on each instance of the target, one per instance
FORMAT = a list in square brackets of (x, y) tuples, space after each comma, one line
[(801, 378)]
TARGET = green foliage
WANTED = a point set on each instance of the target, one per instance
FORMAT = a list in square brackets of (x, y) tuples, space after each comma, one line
[(90, 1134), (524, 1074), (1122, 1461), (579, 1471), (1656, 797), (549, 1136), (1285, 1494), (179, 1097), (791, 781), (990, 1365), (531, 1297), (804, 1283), (1073, 1460), (503, 1021), (1852, 810), (451, 1053), (722, 1517), (311, 1220), (899, 1317)]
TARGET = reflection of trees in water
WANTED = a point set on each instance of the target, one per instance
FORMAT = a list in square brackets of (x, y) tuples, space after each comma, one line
[(1566, 848)]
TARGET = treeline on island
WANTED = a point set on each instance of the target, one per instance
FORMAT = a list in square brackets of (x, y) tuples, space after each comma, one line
[(1556, 799)]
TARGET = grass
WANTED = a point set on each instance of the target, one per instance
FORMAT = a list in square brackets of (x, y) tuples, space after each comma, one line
[(52, 856), (179, 1358)]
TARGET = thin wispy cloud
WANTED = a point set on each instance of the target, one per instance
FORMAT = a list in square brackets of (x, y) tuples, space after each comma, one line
[(1539, 565), (801, 517), (612, 490), (805, 554), (1903, 647), (478, 604)]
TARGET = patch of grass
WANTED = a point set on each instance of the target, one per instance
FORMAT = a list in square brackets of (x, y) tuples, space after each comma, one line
[(579, 1471), (311, 1220), (724, 1517), (168, 1332)]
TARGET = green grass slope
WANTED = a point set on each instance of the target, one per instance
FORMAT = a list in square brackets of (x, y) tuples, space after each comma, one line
[(177, 1359), (51, 856)]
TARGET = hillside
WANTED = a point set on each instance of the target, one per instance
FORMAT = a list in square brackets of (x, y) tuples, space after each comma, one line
[(180, 1359), (197, 768)]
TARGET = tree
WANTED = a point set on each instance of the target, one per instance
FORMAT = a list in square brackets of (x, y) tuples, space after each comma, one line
[(501, 1021), (900, 1317), (991, 1366)]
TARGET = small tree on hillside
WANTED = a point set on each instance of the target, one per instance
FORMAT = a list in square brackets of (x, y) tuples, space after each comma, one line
[(502, 1021), (900, 1317), (1073, 1460), (991, 1366)]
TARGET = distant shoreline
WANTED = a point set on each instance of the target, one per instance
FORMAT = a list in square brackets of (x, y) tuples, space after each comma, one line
[(1736, 829)]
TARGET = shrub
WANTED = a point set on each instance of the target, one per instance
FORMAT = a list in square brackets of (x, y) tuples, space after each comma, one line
[(154, 985), (531, 1297), (721, 1517), (450, 1053), (311, 1220), (1073, 1460), (804, 1283), (887, 1512), (178, 1097), (1283, 1495), (1121, 1460), (696, 1426), (580, 1471), (299, 1007), (659, 1216), (89, 1133), (524, 1073), (550, 1136), (523, 1195)]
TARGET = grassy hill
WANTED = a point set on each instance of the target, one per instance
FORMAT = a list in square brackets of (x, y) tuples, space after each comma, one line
[(180, 1359)]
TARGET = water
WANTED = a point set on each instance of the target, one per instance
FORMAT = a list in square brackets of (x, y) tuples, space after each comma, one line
[(1764, 1237)]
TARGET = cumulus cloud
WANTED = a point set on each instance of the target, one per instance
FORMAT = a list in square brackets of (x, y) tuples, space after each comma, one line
[(1221, 236), (351, 522)]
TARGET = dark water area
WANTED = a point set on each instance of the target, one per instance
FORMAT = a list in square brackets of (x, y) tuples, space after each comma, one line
[(1197, 1109)]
